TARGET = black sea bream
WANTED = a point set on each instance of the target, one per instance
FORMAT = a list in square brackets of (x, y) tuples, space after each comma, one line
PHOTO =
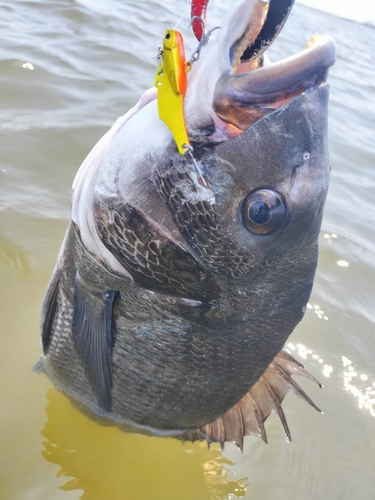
[(177, 287)]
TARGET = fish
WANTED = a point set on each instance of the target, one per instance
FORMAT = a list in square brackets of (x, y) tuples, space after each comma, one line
[(176, 288)]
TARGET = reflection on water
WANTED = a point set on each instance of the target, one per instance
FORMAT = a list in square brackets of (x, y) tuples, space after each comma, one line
[(28, 65), (218, 482), (12, 257), (106, 463), (357, 384)]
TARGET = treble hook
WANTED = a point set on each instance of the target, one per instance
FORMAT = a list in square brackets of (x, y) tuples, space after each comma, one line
[(205, 37), (203, 23)]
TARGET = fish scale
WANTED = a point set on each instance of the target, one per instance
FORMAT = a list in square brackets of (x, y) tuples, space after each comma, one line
[(204, 237), (172, 262)]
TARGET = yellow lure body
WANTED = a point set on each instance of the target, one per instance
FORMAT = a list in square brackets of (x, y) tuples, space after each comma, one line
[(171, 82)]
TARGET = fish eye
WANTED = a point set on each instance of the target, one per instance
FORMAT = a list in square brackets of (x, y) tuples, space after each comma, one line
[(263, 212)]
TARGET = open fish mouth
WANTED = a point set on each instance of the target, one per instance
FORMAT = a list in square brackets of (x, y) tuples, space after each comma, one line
[(251, 86)]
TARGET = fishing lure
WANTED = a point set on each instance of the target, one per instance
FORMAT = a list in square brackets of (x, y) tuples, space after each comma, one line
[(171, 83)]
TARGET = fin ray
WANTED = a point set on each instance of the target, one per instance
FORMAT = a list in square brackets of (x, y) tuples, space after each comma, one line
[(276, 404), (247, 417), (92, 337)]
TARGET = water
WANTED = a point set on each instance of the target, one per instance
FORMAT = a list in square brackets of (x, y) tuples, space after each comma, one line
[(362, 11), (68, 69)]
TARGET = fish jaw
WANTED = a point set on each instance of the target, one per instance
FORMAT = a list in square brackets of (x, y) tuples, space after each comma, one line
[(242, 99), (227, 93)]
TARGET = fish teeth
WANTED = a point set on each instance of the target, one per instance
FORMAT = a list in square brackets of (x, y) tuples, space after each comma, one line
[(257, 21), (314, 39)]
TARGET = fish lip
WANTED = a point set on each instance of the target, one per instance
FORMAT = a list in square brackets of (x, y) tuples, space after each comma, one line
[(289, 73), (241, 99), (268, 22)]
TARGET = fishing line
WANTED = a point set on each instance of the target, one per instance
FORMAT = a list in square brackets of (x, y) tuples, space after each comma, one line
[(183, 14)]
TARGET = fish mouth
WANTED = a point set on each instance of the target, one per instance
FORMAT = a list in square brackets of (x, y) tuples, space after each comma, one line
[(251, 86)]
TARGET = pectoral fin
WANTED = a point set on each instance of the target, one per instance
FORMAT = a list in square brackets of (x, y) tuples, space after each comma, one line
[(92, 337)]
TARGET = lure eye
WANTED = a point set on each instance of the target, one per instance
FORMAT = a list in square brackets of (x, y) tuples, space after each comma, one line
[(167, 36), (263, 212)]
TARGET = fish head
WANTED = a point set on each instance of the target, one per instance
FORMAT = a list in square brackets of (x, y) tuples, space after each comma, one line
[(245, 217), (256, 226), (259, 133)]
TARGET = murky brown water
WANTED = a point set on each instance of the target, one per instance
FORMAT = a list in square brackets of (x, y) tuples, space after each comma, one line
[(68, 69)]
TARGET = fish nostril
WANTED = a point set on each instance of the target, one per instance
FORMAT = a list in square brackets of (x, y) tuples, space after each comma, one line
[(306, 156)]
